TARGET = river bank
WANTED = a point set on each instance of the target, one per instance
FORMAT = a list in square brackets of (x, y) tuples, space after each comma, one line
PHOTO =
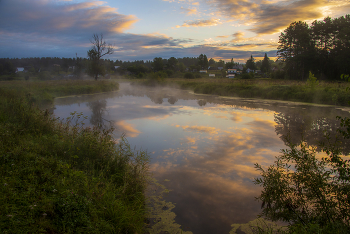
[(59, 177), (286, 90)]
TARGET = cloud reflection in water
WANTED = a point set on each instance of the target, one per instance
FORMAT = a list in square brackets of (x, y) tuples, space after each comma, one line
[(207, 152)]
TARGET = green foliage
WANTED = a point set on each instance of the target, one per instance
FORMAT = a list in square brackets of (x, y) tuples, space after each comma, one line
[(304, 190), (265, 65), (324, 46), (258, 225), (60, 177), (189, 75), (44, 75), (203, 61), (251, 63), (158, 64), (249, 75), (312, 81)]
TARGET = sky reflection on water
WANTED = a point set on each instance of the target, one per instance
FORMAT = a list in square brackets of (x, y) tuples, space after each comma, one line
[(205, 146)]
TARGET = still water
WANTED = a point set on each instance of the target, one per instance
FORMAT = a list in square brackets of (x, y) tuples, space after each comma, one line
[(203, 147)]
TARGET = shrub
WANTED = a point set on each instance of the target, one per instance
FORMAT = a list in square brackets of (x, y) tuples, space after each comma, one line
[(189, 75), (306, 191), (248, 75)]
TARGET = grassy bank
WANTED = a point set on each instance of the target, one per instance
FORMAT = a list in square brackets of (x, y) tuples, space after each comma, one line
[(63, 178), (60, 177), (287, 90), (43, 92)]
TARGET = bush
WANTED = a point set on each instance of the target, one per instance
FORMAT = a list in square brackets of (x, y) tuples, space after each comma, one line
[(189, 75), (306, 191), (249, 75), (45, 75)]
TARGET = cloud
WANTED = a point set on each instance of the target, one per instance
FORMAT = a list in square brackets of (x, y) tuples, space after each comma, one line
[(189, 11), (268, 17), (57, 18), (239, 36), (205, 129), (128, 129), (201, 23)]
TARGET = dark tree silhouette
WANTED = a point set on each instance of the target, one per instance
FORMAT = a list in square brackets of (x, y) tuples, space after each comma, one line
[(100, 48)]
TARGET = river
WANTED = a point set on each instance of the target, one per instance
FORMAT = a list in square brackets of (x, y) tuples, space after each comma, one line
[(203, 147)]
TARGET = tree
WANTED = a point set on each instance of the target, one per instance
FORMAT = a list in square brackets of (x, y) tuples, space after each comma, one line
[(100, 48), (265, 65), (158, 64), (297, 49), (251, 63), (230, 65), (203, 61), (211, 62), (172, 62)]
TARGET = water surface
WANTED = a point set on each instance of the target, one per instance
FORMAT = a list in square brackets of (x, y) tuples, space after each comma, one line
[(204, 147)]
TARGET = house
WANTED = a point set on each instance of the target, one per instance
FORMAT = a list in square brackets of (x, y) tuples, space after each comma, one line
[(19, 69), (231, 76), (249, 70), (220, 68), (202, 71), (238, 67), (212, 75), (231, 71)]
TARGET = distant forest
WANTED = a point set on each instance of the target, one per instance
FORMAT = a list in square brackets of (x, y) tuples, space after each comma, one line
[(322, 48)]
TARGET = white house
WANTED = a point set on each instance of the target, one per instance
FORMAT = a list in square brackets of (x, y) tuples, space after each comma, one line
[(231, 71), (212, 75), (202, 71), (19, 69)]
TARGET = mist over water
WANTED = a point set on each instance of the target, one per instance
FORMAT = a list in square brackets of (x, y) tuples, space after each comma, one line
[(203, 148)]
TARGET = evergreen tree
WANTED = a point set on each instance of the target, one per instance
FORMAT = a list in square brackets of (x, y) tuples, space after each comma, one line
[(265, 65), (251, 63)]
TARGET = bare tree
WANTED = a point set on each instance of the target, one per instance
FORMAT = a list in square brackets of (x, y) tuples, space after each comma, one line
[(99, 49)]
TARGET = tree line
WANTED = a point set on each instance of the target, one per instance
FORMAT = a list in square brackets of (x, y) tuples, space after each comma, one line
[(322, 48)]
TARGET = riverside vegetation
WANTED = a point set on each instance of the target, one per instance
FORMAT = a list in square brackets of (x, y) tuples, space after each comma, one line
[(310, 91), (61, 177)]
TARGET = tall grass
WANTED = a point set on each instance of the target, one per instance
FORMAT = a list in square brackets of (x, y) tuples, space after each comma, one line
[(60, 177), (287, 90)]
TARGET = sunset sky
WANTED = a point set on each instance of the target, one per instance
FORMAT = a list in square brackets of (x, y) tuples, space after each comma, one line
[(145, 29)]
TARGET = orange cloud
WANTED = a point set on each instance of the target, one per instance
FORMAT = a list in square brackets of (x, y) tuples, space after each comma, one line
[(205, 129), (201, 23), (127, 128), (189, 11)]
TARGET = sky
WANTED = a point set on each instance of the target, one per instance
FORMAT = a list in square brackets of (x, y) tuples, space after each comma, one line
[(145, 29)]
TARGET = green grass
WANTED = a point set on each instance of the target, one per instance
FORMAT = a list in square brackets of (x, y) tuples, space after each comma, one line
[(286, 90), (61, 177), (43, 92)]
